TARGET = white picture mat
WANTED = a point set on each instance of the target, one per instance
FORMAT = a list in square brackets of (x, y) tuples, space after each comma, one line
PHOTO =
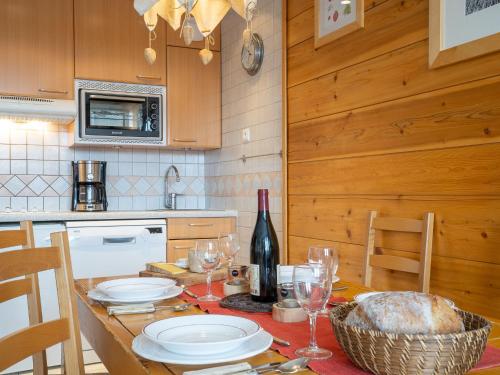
[(459, 28), (325, 26)]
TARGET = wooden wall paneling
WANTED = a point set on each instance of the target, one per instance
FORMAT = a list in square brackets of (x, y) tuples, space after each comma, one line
[(463, 229), (471, 170), (468, 283), (294, 8), (390, 25), (398, 74), (370, 127), (457, 116), (301, 27), (284, 134)]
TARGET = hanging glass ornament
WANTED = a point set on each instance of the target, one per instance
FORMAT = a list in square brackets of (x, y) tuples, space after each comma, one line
[(205, 54), (150, 53)]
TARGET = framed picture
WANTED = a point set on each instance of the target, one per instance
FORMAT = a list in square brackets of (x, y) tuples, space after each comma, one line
[(336, 18), (462, 29)]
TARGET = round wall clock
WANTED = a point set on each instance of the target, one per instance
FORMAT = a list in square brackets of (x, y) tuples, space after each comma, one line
[(252, 57)]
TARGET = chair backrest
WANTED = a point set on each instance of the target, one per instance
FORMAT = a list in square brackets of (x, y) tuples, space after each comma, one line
[(421, 267), (33, 340)]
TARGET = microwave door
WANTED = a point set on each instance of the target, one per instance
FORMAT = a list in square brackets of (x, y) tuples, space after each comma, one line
[(115, 112)]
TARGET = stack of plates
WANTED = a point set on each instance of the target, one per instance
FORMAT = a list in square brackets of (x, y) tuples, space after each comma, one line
[(201, 339), (135, 290)]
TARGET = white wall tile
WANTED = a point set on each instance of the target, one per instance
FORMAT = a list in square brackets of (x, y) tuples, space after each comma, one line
[(248, 102), (18, 166)]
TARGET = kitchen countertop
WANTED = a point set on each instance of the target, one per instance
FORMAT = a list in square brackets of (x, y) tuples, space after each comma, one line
[(12, 217)]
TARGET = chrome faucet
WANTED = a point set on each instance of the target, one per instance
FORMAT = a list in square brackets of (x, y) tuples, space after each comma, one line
[(170, 199)]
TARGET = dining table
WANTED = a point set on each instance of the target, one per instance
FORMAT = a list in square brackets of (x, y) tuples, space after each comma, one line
[(111, 336)]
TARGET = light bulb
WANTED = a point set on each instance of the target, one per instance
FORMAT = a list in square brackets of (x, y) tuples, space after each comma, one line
[(150, 55), (187, 34), (206, 56), (345, 2), (247, 38)]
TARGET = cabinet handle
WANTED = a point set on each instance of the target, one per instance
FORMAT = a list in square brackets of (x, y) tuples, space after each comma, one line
[(185, 140), (182, 247), (200, 225), (148, 77), (53, 91)]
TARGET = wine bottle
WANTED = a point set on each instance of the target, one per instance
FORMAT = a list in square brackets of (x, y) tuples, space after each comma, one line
[(264, 254)]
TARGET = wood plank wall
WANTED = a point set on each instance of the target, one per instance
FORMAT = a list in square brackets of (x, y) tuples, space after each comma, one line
[(371, 127)]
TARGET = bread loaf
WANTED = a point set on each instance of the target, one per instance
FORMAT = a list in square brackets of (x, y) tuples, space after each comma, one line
[(406, 313)]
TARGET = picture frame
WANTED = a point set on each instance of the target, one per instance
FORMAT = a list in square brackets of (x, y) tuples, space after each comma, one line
[(453, 41), (335, 18)]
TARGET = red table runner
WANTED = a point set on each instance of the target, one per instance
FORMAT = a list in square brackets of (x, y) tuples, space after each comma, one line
[(298, 335)]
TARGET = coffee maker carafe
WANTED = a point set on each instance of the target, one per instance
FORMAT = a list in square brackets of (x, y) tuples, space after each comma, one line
[(89, 186)]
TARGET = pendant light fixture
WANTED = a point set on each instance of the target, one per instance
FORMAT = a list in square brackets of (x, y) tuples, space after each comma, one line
[(201, 17)]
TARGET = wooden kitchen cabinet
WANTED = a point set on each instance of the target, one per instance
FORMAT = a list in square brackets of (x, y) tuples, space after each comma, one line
[(178, 249), (36, 40), (110, 38), (184, 232), (194, 99)]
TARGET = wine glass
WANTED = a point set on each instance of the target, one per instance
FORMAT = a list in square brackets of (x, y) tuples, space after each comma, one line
[(229, 244), (312, 287), (207, 252), (326, 256)]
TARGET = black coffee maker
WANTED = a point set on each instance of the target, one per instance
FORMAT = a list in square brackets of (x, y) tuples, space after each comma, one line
[(89, 186)]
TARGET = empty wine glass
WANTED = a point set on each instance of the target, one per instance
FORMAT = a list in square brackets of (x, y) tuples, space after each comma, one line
[(229, 244), (328, 257), (207, 252), (312, 287), (324, 255)]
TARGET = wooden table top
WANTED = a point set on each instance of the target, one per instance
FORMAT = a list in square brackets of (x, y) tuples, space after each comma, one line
[(111, 337)]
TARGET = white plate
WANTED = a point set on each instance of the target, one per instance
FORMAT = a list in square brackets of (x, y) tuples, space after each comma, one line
[(135, 287), (201, 334), (154, 352), (360, 297), (101, 297)]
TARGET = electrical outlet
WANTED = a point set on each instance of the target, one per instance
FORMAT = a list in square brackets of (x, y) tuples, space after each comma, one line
[(246, 135)]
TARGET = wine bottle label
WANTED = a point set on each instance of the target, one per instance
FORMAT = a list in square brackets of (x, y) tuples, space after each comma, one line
[(254, 279)]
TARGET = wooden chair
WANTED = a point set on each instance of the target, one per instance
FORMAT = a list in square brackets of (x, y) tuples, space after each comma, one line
[(33, 340), (421, 267)]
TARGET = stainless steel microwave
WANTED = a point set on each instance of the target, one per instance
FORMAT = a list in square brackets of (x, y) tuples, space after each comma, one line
[(121, 113)]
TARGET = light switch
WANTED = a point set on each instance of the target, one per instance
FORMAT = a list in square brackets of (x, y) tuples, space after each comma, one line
[(246, 135)]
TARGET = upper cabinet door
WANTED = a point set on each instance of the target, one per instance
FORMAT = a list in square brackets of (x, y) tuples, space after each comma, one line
[(110, 38), (36, 38), (194, 100)]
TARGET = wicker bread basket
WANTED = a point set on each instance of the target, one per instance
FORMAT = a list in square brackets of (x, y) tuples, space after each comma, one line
[(399, 354)]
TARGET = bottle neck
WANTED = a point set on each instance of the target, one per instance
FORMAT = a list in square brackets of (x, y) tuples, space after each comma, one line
[(263, 200)]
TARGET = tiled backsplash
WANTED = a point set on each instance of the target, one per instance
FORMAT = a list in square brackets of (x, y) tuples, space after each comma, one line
[(254, 103), (35, 171)]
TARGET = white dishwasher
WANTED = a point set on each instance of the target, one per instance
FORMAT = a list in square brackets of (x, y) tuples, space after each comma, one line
[(98, 248), (115, 247)]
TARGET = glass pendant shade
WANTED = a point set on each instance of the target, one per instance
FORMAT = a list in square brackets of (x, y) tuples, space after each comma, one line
[(151, 19), (209, 13), (187, 34)]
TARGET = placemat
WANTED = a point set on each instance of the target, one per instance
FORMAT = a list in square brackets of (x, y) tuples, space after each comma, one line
[(298, 335), (243, 302)]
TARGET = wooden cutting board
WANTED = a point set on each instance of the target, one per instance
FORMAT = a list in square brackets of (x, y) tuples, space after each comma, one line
[(188, 278)]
